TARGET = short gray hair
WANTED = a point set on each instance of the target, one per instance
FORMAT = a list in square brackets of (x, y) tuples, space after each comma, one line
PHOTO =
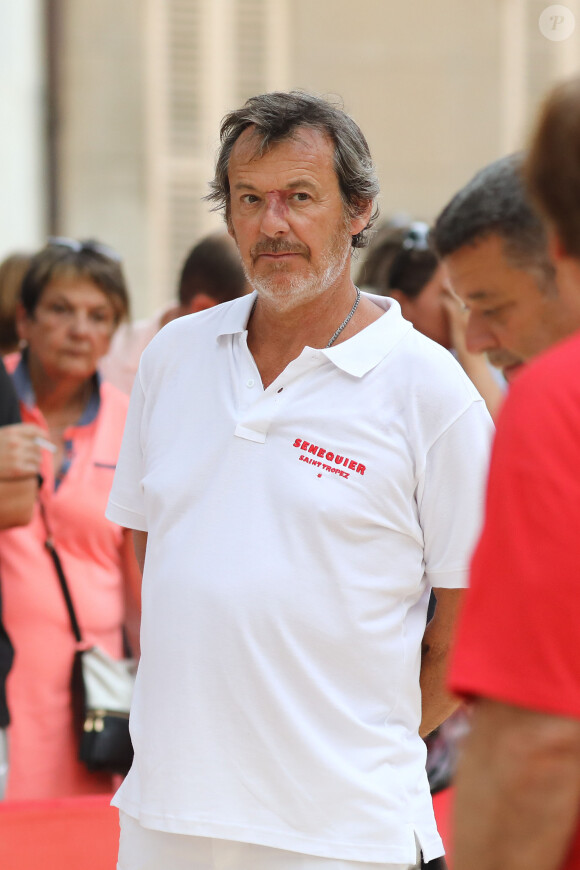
[(496, 202), (276, 117)]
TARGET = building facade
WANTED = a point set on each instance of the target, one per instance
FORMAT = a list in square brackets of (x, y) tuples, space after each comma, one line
[(134, 93)]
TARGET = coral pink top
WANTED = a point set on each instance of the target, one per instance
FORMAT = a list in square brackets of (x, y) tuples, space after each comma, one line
[(43, 745)]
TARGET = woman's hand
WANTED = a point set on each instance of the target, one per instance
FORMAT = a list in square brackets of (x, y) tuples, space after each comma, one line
[(475, 365), (20, 456), (20, 451), (457, 315)]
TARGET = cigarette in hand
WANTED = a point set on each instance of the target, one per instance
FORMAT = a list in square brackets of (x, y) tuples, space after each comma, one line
[(45, 444)]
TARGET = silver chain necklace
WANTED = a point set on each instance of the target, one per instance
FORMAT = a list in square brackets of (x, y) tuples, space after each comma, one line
[(347, 319)]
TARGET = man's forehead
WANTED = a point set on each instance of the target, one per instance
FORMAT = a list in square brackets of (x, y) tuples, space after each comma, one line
[(303, 143), (483, 273), (481, 269)]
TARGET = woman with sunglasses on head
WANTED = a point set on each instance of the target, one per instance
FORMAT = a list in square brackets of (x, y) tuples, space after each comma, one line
[(73, 298), (401, 264)]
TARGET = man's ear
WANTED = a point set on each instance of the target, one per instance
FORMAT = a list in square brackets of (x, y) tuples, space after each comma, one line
[(363, 216)]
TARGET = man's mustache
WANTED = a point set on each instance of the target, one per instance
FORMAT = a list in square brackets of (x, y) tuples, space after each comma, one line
[(278, 246)]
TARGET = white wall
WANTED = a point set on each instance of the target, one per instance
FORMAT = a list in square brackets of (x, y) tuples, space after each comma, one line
[(101, 138), (22, 201)]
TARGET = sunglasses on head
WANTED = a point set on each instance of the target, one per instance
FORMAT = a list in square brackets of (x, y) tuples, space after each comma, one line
[(417, 238), (90, 246)]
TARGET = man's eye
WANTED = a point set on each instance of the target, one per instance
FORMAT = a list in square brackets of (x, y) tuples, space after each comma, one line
[(490, 312), (301, 196), (249, 198)]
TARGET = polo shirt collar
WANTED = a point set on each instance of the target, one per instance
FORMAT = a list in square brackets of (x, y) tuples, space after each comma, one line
[(365, 350), (235, 318), (357, 355)]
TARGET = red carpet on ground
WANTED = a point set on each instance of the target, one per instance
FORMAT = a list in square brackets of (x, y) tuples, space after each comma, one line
[(80, 833)]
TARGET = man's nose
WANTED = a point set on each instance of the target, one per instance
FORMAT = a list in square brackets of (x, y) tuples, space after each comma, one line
[(274, 215), (479, 337)]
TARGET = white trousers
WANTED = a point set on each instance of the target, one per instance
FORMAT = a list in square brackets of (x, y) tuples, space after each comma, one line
[(144, 849), (3, 761)]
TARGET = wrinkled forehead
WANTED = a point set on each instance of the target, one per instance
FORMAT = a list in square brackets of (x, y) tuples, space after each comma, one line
[(251, 145)]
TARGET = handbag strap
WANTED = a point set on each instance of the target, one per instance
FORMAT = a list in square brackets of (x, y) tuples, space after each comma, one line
[(49, 544)]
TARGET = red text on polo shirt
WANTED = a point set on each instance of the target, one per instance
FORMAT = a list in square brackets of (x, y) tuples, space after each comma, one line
[(329, 455)]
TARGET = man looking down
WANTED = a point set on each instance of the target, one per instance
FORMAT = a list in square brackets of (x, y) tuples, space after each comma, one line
[(518, 786)]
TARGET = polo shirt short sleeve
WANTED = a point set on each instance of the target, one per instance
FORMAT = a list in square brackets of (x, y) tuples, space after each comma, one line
[(294, 533), (518, 636), (131, 512)]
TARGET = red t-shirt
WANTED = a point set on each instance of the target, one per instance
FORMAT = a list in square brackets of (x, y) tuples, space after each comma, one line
[(518, 637)]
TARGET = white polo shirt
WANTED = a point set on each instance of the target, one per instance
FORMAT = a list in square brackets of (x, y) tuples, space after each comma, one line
[(294, 533)]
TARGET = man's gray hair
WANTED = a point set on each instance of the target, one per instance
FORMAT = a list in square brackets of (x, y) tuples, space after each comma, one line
[(278, 116)]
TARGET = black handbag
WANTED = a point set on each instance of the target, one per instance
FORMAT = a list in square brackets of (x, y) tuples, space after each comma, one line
[(101, 692)]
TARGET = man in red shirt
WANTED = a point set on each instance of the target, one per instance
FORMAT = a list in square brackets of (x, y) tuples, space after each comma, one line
[(518, 786)]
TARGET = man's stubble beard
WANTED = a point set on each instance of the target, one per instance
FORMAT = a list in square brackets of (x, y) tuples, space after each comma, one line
[(286, 290)]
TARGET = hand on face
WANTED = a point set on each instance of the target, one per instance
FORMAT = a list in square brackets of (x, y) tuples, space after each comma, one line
[(457, 317), (20, 452), (511, 314)]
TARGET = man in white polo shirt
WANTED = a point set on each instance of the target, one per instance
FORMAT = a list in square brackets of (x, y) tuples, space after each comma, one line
[(300, 468)]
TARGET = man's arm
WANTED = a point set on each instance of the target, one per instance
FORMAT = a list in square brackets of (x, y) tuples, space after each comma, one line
[(437, 703), (517, 790), (140, 545), (132, 577), (132, 567)]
